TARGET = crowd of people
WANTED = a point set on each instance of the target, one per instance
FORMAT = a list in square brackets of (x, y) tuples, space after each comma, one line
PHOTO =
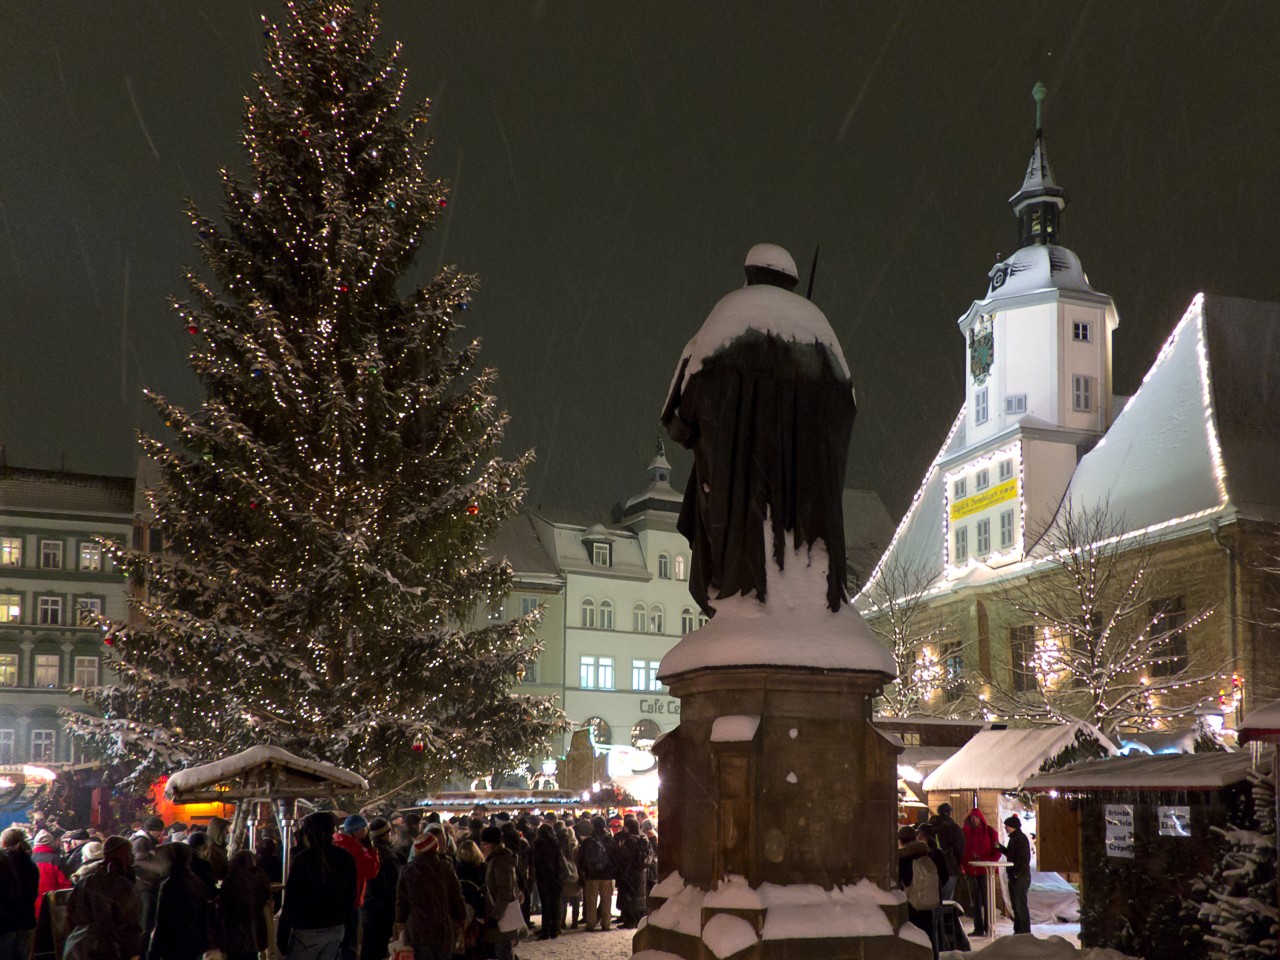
[(933, 856), (467, 886)]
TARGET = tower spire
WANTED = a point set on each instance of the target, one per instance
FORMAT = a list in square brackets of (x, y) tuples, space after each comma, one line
[(1039, 203)]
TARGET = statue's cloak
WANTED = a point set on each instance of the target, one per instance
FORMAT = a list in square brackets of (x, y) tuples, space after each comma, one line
[(763, 398)]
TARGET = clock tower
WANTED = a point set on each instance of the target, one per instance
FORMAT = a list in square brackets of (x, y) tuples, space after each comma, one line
[(1037, 383)]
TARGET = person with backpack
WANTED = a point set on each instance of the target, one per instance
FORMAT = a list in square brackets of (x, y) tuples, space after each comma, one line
[(980, 843), (919, 878), (951, 842), (596, 870), (631, 857)]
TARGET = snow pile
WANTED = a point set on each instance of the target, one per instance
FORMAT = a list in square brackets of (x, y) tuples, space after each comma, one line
[(668, 886), (1024, 946), (735, 729), (765, 309), (725, 935), (682, 912), (794, 628), (1005, 759), (1263, 720), (209, 774)]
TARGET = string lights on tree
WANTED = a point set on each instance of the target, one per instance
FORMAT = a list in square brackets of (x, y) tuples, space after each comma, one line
[(324, 509)]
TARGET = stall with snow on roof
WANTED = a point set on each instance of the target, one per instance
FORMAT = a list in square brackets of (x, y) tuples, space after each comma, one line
[(263, 776), (1147, 828)]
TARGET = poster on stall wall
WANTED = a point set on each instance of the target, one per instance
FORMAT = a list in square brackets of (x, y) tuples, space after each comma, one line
[(1120, 830), (1175, 821)]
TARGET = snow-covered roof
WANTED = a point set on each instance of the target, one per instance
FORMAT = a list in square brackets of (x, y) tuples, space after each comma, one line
[(1039, 181), (1262, 723), (56, 491), (1161, 771), (1035, 269), (567, 545), (1005, 759), (517, 540), (763, 308), (210, 775)]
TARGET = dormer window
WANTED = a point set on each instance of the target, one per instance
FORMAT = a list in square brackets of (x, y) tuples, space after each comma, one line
[(664, 567), (680, 568), (601, 555), (1081, 331)]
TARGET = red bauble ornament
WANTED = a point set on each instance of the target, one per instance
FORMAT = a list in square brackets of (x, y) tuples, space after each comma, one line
[(343, 288), (306, 134), (253, 504), (419, 746), (443, 202), (110, 642), (192, 328), (473, 509)]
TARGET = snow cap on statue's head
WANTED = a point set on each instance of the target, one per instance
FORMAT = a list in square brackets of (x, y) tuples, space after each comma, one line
[(771, 264)]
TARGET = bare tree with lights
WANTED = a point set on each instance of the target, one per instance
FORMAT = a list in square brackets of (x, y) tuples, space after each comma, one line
[(324, 510), (1105, 633), (898, 613)]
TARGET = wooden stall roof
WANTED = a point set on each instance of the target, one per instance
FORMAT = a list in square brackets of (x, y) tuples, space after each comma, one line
[(1262, 724), (1002, 759), (262, 772), (1163, 772)]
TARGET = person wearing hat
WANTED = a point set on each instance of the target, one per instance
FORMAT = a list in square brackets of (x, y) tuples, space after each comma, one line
[(430, 911), (1018, 850), (378, 915), (501, 889), (73, 843), (318, 894), (353, 839), (183, 911), (105, 911), (90, 860), (19, 880), (597, 871), (219, 836), (44, 853)]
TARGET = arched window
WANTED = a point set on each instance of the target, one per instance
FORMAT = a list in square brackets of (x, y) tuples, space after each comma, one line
[(606, 615), (639, 618), (655, 619), (679, 568), (644, 733), (588, 613), (703, 619), (688, 621), (600, 731), (664, 567)]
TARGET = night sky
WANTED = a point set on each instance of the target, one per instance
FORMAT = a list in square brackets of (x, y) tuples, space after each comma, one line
[(611, 164)]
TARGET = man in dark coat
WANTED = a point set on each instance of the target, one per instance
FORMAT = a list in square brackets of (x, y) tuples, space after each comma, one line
[(631, 856), (105, 910), (379, 910), (18, 897), (1018, 850), (501, 889), (183, 911), (243, 901), (550, 874), (318, 894), (763, 398), (429, 906), (951, 842)]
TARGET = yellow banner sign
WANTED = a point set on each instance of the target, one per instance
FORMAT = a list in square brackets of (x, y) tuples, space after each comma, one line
[(981, 501)]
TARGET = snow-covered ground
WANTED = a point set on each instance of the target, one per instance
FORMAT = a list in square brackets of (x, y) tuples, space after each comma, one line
[(616, 945)]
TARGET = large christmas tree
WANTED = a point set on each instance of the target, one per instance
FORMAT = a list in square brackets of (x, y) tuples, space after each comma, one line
[(324, 509)]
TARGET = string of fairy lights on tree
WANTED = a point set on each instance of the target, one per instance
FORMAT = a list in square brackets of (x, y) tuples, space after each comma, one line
[(324, 511)]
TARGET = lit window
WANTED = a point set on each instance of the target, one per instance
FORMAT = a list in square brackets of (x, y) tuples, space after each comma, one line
[(644, 675), (86, 609), (6, 746), (10, 608), (1022, 654), (600, 731), (8, 669), (51, 554), (1081, 331), (655, 619), (588, 613), (910, 738), (600, 554), (654, 682), (1017, 403), (1006, 469), (644, 733), (1169, 649), (982, 537), (982, 480), (604, 673), (962, 545), (42, 742), (680, 574), (49, 611), (980, 406), (639, 618), (606, 615), (664, 567), (1006, 529), (1081, 393), (687, 620), (587, 673), (10, 551), (86, 671), (91, 557), (46, 672), (959, 489)]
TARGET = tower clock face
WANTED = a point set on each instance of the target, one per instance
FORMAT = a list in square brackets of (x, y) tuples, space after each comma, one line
[(982, 348)]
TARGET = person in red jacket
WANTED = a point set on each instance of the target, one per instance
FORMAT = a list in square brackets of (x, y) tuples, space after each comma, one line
[(353, 838), (45, 855), (981, 842)]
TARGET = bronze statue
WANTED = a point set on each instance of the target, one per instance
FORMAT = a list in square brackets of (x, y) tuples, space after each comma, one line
[(763, 398)]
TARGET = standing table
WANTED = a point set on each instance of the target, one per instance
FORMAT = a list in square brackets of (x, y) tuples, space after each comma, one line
[(991, 866)]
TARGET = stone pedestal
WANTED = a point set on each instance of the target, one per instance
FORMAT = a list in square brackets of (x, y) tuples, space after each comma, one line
[(778, 813)]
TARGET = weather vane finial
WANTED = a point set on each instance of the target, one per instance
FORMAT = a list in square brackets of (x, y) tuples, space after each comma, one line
[(1037, 94)]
